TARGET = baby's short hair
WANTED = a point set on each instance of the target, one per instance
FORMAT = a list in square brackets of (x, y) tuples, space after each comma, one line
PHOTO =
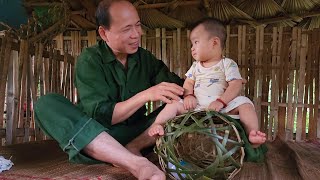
[(214, 27)]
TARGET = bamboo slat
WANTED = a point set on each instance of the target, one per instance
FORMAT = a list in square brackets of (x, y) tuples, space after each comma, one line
[(5, 56), (92, 38), (178, 60), (272, 120), (227, 48), (290, 117), (258, 72), (11, 96), (301, 75), (189, 56), (314, 54), (317, 84), (173, 61), (164, 47), (306, 110), (283, 76)]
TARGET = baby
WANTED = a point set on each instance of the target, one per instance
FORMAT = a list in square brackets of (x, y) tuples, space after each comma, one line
[(212, 83)]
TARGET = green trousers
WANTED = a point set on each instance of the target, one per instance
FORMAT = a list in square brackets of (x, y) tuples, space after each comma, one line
[(74, 130)]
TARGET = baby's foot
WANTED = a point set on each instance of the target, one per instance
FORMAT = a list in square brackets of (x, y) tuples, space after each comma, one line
[(156, 129), (257, 138)]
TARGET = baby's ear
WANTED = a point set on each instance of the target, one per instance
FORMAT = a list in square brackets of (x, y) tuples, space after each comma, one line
[(215, 41)]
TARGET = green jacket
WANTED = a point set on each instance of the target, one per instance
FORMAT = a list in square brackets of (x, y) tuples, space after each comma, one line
[(102, 81)]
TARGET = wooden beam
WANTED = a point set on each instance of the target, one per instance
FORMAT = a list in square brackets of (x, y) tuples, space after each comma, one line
[(16, 47), (91, 8), (80, 20), (35, 4), (162, 5)]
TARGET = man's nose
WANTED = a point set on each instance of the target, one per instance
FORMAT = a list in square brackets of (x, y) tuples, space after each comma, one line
[(136, 32)]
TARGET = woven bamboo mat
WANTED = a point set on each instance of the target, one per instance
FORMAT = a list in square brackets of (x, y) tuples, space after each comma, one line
[(45, 161)]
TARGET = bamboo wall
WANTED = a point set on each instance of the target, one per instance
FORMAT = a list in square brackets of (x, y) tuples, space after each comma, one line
[(27, 72), (281, 66)]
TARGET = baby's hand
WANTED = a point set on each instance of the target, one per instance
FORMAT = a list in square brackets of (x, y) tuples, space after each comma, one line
[(215, 106), (189, 102)]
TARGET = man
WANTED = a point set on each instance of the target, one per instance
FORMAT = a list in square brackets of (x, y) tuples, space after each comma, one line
[(114, 79)]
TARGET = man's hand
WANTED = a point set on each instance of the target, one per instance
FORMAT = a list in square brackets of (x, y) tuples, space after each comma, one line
[(215, 105), (189, 102), (165, 92)]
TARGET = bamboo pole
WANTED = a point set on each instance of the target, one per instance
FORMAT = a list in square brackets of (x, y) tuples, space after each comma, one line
[(92, 38), (272, 120), (301, 85), (178, 60), (5, 56), (284, 68), (164, 46), (307, 93), (189, 56), (227, 51), (258, 72), (11, 95), (313, 89), (174, 52), (293, 59)]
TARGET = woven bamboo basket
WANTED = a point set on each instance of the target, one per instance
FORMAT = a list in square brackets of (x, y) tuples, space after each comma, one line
[(200, 145)]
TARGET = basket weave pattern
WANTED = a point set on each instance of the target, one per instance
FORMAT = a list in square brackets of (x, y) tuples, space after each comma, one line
[(206, 141)]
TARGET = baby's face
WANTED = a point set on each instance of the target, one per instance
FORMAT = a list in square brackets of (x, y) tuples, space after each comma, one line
[(202, 46)]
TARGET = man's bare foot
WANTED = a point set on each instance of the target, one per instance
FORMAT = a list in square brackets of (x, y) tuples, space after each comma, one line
[(145, 170), (156, 129), (257, 138)]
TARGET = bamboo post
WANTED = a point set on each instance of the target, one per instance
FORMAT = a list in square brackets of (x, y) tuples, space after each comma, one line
[(189, 56), (313, 59), (164, 46), (158, 54), (306, 94), (258, 71), (290, 119), (317, 84), (178, 60), (92, 38), (11, 91), (27, 120), (273, 86), (282, 73), (4, 57), (174, 53), (227, 52), (303, 58)]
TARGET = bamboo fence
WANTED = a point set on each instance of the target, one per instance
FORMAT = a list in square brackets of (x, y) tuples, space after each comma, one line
[(28, 71), (281, 66)]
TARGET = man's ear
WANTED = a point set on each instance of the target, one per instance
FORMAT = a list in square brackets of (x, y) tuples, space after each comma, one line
[(102, 33)]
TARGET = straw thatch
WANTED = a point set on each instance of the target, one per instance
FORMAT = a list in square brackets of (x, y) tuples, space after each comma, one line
[(181, 13)]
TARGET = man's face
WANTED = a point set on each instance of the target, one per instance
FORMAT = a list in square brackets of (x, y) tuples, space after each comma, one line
[(125, 28)]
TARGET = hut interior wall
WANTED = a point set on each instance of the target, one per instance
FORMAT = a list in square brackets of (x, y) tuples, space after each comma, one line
[(281, 66), (28, 71)]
